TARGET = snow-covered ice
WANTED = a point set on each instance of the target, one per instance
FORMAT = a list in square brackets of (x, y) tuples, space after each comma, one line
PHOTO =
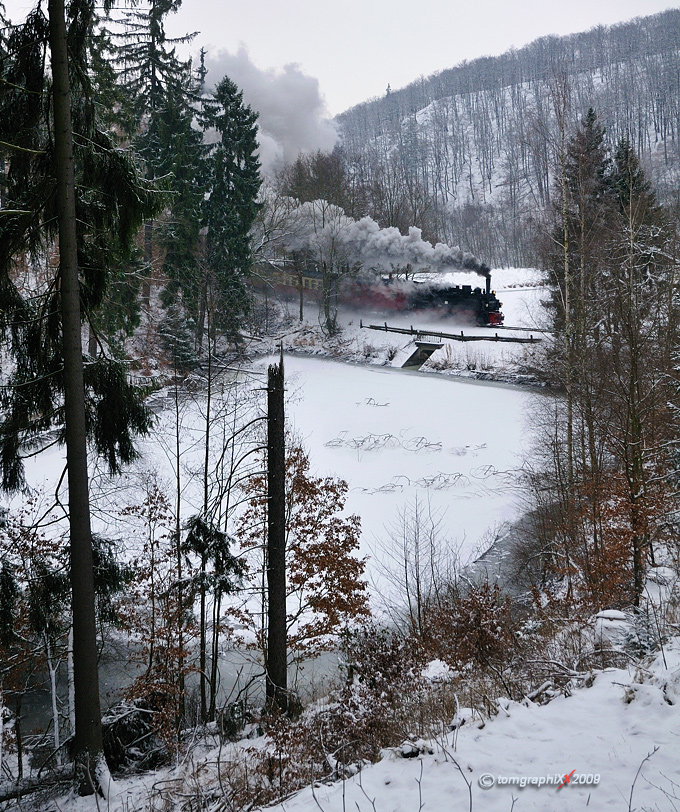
[(396, 436)]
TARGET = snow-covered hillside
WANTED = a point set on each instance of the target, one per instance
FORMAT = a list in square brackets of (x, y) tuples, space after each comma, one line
[(479, 139)]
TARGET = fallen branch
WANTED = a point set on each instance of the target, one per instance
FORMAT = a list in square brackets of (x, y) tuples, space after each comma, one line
[(11, 790)]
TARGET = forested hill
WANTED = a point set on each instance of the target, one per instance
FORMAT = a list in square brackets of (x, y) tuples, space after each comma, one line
[(468, 154)]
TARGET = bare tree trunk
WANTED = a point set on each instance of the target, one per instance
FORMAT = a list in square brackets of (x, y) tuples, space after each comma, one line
[(277, 664), (148, 264), (53, 667), (88, 746), (178, 557), (301, 289), (71, 685), (3, 177), (568, 360), (18, 735), (203, 621), (636, 434), (561, 97), (2, 729), (214, 655), (202, 310), (91, 342), (330, 312)]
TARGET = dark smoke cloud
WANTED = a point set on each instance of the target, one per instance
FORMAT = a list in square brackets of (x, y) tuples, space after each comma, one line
[(292, 110)]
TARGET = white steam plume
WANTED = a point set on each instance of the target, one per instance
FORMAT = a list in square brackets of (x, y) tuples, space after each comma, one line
[(386, 246), (326, 230), (292, 111)]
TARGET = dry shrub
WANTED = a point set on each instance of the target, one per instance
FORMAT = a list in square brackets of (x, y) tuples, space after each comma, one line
[(476, 630), (446, 358), (372, 710), (601, 561), (475, 627), (383, 701), (370, 351), (134, 739)]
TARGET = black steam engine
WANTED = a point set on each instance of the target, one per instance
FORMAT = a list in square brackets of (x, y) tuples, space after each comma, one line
[(476, 305), (480, 306), (384, 294)]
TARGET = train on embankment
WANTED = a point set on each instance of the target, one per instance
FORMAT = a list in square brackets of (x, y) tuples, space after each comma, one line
[(385, 294)]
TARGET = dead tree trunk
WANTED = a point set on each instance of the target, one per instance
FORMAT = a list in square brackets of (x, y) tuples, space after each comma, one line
[(277, 664)]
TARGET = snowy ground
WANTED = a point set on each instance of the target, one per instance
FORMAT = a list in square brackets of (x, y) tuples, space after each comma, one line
[(604, 733), (617, 740)]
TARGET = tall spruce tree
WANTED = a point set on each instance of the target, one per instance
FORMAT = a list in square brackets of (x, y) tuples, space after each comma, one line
[(150, 75), (183, 161), (583, 216), (66, 181), (231, 206), (644, 333)]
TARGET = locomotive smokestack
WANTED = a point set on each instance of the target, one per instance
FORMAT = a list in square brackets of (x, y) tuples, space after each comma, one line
[(488, 284)]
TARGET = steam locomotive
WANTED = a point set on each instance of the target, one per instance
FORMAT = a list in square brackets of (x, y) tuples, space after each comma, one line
[(478, 305), (385, 294)]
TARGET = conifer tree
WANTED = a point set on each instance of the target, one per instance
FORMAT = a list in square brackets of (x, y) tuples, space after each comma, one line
[(643, 335), (110, 203), (151, 75), (183, 161), (585, 216), (231, 206), (54, 139)]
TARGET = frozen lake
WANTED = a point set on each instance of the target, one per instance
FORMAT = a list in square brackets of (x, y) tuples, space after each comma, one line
[(396, 436)]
